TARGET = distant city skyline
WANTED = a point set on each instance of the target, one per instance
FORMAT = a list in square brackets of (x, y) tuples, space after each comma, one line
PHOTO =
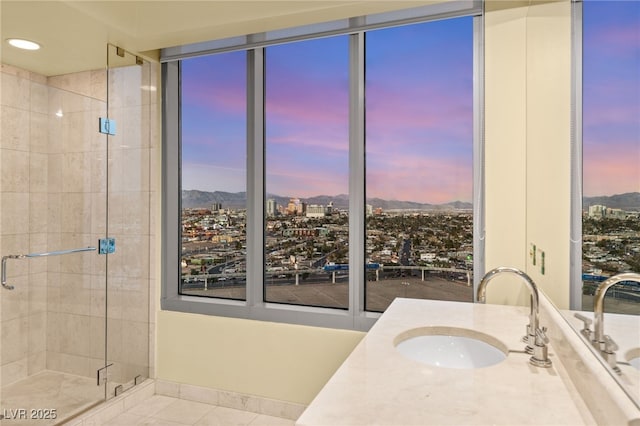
[(419, 114)]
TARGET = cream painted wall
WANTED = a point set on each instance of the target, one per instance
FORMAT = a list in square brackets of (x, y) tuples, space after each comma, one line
[(549, 147), (527, 140), (505, 148), (278, 361)]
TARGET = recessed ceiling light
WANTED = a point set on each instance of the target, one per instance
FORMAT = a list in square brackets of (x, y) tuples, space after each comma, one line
[(23, 44)]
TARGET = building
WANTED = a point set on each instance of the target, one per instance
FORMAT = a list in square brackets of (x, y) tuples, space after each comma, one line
[(598, 211), (272, 207), (314, 210), (369, 209), (294, 206)]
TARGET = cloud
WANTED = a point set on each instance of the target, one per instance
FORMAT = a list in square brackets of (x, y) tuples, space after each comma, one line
[(611, 167), (215, 98), (417, 178), (612, 39), (209, 177), (307, 103)]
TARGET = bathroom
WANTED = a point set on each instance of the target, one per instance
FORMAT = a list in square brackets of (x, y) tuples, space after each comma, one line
[(65, 185)]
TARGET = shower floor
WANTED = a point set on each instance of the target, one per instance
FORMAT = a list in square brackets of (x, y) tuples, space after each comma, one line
[(48, 390)]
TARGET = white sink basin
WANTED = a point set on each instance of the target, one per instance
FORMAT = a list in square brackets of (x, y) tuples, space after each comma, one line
[(633, 358), (450, 347)]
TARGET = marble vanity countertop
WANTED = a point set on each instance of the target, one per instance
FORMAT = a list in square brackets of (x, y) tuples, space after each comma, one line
[(377, 385)]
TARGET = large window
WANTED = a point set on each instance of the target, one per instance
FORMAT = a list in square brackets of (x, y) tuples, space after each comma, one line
[(419, 153), (307, 171), (611, 150), (313, 175), (214, 169)]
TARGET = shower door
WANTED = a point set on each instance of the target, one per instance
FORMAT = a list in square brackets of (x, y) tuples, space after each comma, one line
[(53, 197), (130, 93)]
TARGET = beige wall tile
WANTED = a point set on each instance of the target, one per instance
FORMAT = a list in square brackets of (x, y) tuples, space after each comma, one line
[(16, 89), (38, 217), (14, 371), (75, 294), (77, 83), (71, 364), (37, 340), (166, 388), (36, 362), (15, 213), (37, 294), (15, 303), (39, 132), (199, 394), (15, 128), (15, 335), (38, 172), (15, 171)]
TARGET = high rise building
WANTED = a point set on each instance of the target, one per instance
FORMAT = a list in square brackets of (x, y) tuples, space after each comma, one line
[(272, 207), (292, 208)]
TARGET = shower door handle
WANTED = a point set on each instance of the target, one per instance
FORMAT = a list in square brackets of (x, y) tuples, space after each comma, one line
[(23, 256)]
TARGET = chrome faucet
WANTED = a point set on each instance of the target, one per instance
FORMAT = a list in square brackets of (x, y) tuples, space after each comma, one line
[(535, 338), (603, 343)]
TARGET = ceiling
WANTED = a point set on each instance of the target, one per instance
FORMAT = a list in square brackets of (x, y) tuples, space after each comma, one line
[(74, 34)]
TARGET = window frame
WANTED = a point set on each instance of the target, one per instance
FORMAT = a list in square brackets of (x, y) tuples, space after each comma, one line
[(575, 241), (254, 307)]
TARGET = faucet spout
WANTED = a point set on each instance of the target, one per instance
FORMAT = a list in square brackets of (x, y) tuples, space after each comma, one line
[(535, 338), (533, 289), (598, 303)]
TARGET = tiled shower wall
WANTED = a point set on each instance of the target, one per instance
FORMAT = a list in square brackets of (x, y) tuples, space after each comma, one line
[(24, 154), (54, 195)]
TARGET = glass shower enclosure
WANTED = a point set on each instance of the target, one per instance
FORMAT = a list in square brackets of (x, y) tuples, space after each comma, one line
[(75, 237)]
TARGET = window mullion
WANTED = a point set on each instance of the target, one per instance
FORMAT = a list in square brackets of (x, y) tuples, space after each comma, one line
[(255, 177), (356, 175), (478, 151), (171, 182), (575, 272)]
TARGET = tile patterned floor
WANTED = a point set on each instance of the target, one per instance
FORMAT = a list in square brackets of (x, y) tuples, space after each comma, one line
[(162, 410), (70, 394)]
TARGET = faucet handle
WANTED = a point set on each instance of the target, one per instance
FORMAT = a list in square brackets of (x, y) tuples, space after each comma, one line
[(541, 334), (586, 330), (609, 345), (540, 352)]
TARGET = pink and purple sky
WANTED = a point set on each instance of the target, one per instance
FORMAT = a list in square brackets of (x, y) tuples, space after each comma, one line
[(611, 97), (418, 112)]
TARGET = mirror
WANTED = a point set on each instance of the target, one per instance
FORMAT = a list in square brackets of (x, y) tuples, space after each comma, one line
[(624, 331), (610, 199), (595, 70)]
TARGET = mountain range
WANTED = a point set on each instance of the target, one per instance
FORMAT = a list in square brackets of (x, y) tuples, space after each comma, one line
[(202, 199), (629, 201)]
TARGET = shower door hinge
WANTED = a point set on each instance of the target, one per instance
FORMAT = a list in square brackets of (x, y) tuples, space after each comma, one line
[(102, 374), (107, 245), (107, 126)]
